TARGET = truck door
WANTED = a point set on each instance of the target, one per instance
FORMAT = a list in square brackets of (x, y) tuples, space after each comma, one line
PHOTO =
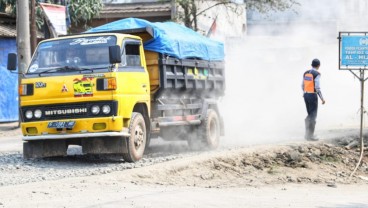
[(131, 61)]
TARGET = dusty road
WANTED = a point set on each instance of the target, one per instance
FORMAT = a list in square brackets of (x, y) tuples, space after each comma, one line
[(291, 174), (109, 191)]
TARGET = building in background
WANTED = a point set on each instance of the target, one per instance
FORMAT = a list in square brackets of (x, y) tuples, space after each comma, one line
[(8, 81), (218, 22), (151, 10)]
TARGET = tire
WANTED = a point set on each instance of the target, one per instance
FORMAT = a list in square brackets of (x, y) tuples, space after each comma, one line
[(211, 130), (207, 134), (136, 143), (148, 140)]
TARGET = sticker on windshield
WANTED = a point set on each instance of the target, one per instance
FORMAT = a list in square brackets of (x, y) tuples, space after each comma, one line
[(90, 41), (33, 68), (83, 87)]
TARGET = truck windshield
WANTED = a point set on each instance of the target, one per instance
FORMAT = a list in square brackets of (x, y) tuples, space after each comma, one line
[(73, 53)]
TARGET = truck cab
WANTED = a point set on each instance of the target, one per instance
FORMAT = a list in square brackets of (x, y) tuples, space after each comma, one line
[(66, 98)]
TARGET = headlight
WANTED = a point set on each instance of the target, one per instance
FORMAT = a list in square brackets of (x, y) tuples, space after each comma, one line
[(106, 109), (38, 113), (29, 114), (95, 109)]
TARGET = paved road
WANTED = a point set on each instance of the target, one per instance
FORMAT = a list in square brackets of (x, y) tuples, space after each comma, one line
[(109, 191)]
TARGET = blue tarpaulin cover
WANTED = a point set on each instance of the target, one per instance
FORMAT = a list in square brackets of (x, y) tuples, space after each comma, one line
[(171, 39), (8, 83)]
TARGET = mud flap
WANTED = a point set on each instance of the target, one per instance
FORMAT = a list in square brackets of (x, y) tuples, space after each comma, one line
[(44, 148), (110, 145)]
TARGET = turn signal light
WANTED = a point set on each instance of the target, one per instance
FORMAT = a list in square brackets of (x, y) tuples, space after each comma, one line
[(25, 89), (106, 84), (110, 84)]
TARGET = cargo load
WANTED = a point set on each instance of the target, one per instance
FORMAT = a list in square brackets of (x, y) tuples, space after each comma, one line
[(168, 38)]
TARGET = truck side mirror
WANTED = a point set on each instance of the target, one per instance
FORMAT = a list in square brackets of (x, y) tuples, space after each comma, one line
[(12, 62), (114, 54)]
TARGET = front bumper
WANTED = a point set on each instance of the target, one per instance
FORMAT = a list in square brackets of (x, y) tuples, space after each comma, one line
[(86, 127), (80, 135)]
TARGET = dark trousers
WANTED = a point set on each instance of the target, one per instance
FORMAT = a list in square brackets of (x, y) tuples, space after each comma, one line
[(311, 102)]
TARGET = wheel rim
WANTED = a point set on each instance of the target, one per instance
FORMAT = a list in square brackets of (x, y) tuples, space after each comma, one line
[(138, 137)]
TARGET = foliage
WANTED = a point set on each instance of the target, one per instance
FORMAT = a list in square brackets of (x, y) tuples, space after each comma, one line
[(84, 10), (8, 4), (80, 10)]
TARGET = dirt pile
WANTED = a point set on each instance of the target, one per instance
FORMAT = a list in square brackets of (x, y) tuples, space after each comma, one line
[(318, 163)]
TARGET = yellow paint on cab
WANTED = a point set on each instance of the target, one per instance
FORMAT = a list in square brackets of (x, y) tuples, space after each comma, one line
[(132, 88)]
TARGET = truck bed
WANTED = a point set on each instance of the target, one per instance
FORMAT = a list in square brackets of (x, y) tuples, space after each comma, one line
[(184, 76)]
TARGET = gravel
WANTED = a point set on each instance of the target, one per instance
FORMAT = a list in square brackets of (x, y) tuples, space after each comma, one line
[(15, 170)]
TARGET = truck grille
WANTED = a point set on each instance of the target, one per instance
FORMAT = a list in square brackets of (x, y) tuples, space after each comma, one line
[(68, 111)]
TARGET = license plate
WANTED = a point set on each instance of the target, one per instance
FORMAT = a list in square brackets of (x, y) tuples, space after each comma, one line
[(61, 124)]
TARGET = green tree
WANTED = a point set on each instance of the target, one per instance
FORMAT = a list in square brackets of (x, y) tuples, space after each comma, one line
[(80, 10), (84, 10), (8, 6)]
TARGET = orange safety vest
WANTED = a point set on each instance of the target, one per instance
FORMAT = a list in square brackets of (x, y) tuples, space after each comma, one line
[(309, 77)]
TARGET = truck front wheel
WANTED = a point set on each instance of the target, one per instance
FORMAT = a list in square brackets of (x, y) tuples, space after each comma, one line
[(138, 137)]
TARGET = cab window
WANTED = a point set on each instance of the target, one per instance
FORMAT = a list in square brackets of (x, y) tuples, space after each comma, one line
[(131, 55)]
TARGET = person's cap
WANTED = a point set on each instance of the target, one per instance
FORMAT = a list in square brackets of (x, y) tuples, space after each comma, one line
[(316, 63)]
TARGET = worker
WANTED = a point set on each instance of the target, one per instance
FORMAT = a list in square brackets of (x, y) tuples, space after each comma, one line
[(311, 88)]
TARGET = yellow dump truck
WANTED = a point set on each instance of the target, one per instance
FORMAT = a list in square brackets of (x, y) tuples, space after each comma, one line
[(116, 97)]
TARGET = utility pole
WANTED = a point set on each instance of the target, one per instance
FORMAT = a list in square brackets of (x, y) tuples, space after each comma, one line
[(173, 10), (23, 37), (33, 26), (23, 41)]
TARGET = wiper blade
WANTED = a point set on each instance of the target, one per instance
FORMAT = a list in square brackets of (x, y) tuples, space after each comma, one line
[(76, 68), (65, 69), (47, 71), (68, 69)]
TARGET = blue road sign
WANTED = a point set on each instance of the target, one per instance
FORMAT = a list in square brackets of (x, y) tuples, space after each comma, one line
[(354, 51)]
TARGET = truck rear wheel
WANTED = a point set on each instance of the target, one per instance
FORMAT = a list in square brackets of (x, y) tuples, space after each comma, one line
[(136, 143), (207, 134), (211, 129)]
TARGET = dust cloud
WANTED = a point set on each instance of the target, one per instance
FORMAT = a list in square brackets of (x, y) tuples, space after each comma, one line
[(264, 100)]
